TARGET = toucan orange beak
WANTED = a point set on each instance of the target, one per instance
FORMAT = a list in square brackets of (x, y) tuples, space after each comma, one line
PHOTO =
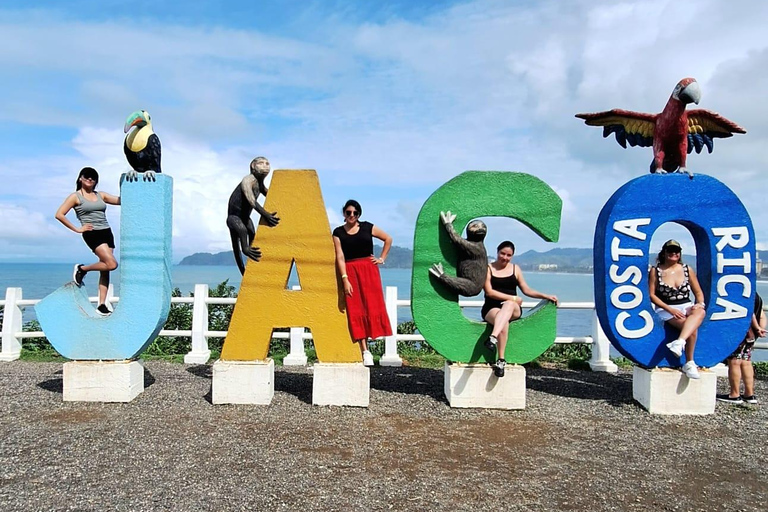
[(133, 120)]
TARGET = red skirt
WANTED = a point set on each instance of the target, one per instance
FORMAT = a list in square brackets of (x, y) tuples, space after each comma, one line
[(366, 310)]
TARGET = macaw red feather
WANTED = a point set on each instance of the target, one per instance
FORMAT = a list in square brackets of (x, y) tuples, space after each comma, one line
[(712, 124)]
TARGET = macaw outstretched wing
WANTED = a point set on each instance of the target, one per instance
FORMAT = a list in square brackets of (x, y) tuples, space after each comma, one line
[(705, 125), (635, 128)]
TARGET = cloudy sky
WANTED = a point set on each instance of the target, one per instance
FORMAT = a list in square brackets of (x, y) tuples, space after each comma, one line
[(386, 101)]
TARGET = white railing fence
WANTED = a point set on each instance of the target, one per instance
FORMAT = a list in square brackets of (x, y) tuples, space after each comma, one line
[(12, 333)]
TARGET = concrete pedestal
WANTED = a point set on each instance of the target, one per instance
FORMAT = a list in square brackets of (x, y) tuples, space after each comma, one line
[(243, 382), (103, 381), (668, 391), (475, 385), (721, 370), (295, 360), (341, 384), (391, 360), (193, 357), (297, 356)]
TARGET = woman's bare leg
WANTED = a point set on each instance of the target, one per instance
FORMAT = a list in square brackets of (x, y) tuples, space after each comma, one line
[(689, 329), (734, 377), (103, 286), (106, 261), (500, 317), (690, 324), (503, 337), (104, 266), (748, 376)]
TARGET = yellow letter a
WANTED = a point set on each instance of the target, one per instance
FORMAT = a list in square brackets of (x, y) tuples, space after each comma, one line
[(303, 236)]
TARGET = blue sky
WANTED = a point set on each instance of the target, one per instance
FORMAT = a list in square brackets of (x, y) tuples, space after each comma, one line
[(387, 100)]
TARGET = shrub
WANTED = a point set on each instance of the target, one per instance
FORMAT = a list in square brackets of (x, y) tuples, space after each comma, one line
[(179, 318), (566, 352), (219, 315), (35, 344)]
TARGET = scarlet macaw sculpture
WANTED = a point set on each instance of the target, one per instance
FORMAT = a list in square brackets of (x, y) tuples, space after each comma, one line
[(673, 133)]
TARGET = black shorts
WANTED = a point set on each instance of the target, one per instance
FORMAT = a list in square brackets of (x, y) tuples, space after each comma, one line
[(99, 236), (488, 305), (491, 304)]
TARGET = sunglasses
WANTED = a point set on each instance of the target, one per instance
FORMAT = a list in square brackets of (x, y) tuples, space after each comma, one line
[(351, 213), (88, 178), (672, 250)]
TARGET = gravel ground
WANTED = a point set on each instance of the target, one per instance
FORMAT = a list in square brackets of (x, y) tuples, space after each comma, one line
[(581, 444)]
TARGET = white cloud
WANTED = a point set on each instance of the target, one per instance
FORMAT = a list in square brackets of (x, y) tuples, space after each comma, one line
[(20, 225), (400, 106)]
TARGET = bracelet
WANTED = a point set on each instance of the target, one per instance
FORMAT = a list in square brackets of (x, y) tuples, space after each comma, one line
[(343, 276)]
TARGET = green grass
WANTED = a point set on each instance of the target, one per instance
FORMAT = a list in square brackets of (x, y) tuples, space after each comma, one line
[(42, 356), (563, 353), (422, 360), (171, 358)]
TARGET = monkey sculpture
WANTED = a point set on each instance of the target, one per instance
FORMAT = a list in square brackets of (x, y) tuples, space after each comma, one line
[(472, 264), (241, 203)]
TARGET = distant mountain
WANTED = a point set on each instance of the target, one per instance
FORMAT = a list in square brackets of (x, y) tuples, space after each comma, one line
[(560, 260), (399, 257), (206, 258), (573, 260)]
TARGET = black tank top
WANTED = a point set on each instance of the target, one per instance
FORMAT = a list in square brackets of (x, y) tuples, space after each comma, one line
[(507, 285), (359, 245), (670, 294)]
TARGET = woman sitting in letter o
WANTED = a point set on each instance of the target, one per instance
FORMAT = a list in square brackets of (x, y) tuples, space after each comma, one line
[(670, 284)]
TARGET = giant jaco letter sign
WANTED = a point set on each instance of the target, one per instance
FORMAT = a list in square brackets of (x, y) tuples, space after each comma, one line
[(725, 250), (435, 310), (71, 323), (303, 237)]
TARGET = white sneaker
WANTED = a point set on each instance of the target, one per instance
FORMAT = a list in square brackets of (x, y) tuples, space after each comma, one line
[(690, 370), (676, 347), (367, 358)]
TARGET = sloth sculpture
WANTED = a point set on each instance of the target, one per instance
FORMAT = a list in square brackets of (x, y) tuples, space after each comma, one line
[(472, 264)]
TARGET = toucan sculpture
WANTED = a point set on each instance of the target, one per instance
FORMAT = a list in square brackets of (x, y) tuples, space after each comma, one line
[(673, 133), (141, 147)]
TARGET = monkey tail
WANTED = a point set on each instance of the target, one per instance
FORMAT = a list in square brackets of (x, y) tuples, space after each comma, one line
[(236, 252)]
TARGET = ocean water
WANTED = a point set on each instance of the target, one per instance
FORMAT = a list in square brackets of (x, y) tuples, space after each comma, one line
[(38, 280)]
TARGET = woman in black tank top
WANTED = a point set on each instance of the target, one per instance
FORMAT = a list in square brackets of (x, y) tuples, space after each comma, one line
[(502, 304)]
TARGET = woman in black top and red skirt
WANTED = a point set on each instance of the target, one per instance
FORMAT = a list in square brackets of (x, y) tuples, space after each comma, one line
[(366, 311), (502, 304)]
